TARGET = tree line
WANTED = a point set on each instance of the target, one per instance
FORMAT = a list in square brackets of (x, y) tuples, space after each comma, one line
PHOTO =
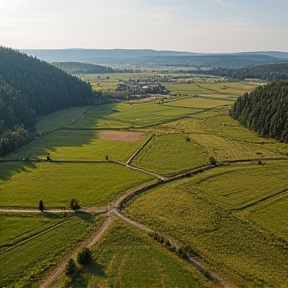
[(265, 110), (30, 88), (268, 72)]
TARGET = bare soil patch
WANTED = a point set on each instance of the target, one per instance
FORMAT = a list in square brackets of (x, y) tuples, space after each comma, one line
[(121, 135)]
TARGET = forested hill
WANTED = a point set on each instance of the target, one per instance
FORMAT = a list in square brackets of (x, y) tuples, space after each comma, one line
[(268, 72), (29, 88), (265, 110), (82, 68)]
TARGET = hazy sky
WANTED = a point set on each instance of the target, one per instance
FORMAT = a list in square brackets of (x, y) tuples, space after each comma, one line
[(183, 25)]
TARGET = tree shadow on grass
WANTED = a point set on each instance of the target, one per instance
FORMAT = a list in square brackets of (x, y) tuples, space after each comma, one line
[(8, 169), (70, 136), (87, 217), (92, 271)]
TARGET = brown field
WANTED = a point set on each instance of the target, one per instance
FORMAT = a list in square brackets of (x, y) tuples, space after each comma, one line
[(121, 136)]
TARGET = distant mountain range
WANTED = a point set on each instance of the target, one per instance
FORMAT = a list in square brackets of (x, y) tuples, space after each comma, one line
[(153, 57)]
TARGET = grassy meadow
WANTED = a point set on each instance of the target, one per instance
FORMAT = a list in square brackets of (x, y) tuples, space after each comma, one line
[(247, 254), (34, 244), (129, 115), (57, 183), (233, 216), (126, 257), (171, 153), (59, 119), (80, 145)]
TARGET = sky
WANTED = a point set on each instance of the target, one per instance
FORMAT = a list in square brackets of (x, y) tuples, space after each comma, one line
[(205, 26)]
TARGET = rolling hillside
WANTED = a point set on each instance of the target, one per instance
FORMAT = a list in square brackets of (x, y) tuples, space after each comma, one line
[(30, 88), (146, 56)]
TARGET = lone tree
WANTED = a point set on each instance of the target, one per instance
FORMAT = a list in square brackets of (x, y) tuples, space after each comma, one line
[(84, 256), (70, 268), (213, 160), (41, 205), (74, 205)]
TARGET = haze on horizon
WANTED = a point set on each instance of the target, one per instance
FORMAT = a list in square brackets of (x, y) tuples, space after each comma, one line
[(181, 25)]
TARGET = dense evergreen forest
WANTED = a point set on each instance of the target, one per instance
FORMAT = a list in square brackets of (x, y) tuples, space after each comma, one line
[(269, 72), (29, 88), (265, 110), (82, 68)]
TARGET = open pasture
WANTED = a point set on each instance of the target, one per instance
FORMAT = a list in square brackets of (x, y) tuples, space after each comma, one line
[(136, 115), (190, 89), (126, 257), (59, 119), (201, 87), (16, 229), (271, 214), (57, 183), (198, 102), (223, 137), (224, 149), (244, 254), (24, 263), (239, 186), (84, 145), (169, 154)]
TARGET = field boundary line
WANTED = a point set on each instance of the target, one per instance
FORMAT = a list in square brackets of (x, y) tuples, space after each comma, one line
[(140, 149), (90, 241), (196, 264), (261, 200), (34, 236)]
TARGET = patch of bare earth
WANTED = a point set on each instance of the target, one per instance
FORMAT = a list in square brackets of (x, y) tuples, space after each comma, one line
[(121, 135)]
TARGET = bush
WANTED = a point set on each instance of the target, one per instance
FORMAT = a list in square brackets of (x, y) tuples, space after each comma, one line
[(70, 268), (84, 256), (74, 205), (213, 161), (167, 243)]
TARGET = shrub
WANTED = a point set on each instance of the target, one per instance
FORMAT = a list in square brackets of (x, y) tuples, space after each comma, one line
[(74, 205), (84, 256), (212, 160), (70, 268)]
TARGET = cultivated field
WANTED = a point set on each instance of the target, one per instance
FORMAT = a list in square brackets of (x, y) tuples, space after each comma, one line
[(232, 215), (247, 254), (57, 183), (126, 257), (33, 244), (171, 153)]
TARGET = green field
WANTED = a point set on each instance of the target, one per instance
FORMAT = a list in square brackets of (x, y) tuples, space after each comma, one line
[(80, 145), (126, 257), (34, 244), (130, 115), (233, 216), (247, 255), (59, 119), (57, 183), (199, 102), (236, 187), (168, 154), (211, 87), (271, 214)]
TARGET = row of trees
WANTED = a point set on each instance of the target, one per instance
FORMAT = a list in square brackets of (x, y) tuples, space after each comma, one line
[(74, 205), (265, 110)]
